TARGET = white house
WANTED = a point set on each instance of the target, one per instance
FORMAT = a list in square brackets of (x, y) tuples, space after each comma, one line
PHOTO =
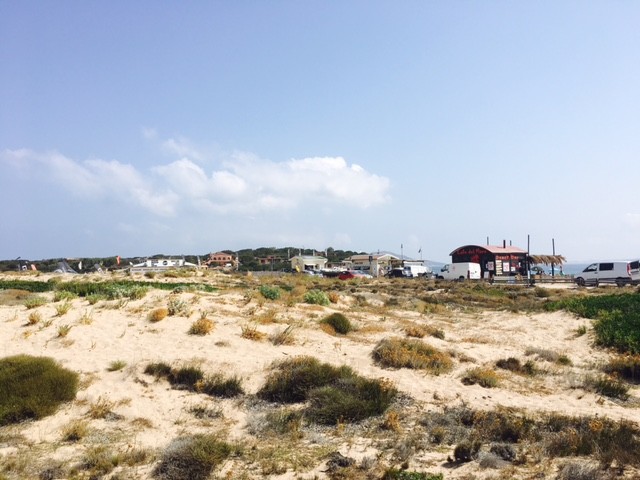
[(373, 264), (300, 263)]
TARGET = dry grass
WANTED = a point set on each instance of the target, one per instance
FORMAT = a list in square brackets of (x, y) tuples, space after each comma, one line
[(158, 314), (283, 336), (251, 332), (485, 377), (410, 353), (202, 326)]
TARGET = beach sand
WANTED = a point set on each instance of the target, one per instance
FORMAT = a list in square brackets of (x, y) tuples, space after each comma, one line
[(147, 413)]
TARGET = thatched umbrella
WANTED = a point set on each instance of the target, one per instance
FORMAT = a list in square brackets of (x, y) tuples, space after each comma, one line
[(547, 259)]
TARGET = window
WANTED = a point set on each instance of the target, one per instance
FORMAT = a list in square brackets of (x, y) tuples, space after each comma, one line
[(606, 267), (635, 265), (591, 268)]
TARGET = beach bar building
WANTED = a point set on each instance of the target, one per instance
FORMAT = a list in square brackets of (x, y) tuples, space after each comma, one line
[(494, 260)]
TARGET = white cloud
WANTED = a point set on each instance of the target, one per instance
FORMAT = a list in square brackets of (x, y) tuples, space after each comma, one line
[(244, 183), (181, 147)]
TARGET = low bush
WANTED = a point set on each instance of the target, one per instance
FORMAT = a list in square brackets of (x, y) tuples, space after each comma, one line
[(63, 308), (34, 318), (74, 431), (335, 394), (269, 292), (192, 457), (202, 326), (339, 322), (395, 474), (411, 353), (116, 365), (177, 307), (608, 441), (220, 386), (485, 377), (33, 387), (193, 378), (617, 318), (513, 365), (350, 399), (34, 302), (627, 367), (292, 379), (61, 295), (251, 332), (158, 314), (316, 297), (158, 369), (608, 386), (187, 376)]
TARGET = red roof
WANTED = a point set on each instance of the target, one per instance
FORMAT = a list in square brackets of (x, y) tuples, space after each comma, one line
[(495, 249)]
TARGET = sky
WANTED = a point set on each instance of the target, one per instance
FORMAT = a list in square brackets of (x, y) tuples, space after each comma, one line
[(152, 127)]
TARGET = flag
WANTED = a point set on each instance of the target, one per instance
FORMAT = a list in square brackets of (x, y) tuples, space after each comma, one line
[(420, 250)]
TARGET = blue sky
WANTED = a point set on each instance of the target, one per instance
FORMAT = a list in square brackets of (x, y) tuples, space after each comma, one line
[(137, 128)]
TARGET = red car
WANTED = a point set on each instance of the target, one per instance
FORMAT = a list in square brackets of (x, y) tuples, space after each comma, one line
[(349, 274)]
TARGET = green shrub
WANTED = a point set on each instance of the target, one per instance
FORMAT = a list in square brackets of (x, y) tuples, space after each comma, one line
[(270, 292), (411, 353), (34, 301), (292, 379), (187, 376), (349, 399), (63, 308), (316, 297), (617, 318), (178, 307), (192, 458), (339, 322), (33, 387), (334, 393), (221, 386), (158, 369), (63, 295), (466, 451), (394, 474), (512, 364)]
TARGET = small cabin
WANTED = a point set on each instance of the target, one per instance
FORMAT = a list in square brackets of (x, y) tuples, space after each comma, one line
[(494, 260)]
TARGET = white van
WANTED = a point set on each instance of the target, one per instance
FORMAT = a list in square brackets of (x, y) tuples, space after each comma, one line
[(460, 271), (620, 273), (416, 270)]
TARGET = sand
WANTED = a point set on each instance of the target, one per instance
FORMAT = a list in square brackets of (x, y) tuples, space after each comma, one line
[(147, 413)]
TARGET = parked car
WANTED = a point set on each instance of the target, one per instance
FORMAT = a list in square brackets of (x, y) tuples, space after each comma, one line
[(351, 274), (621, 273)]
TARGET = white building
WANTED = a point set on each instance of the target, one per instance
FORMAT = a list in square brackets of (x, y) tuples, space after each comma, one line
[(375, 264), (300, 263)]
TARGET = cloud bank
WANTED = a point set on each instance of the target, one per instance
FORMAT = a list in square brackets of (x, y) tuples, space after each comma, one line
[(242, 183)]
